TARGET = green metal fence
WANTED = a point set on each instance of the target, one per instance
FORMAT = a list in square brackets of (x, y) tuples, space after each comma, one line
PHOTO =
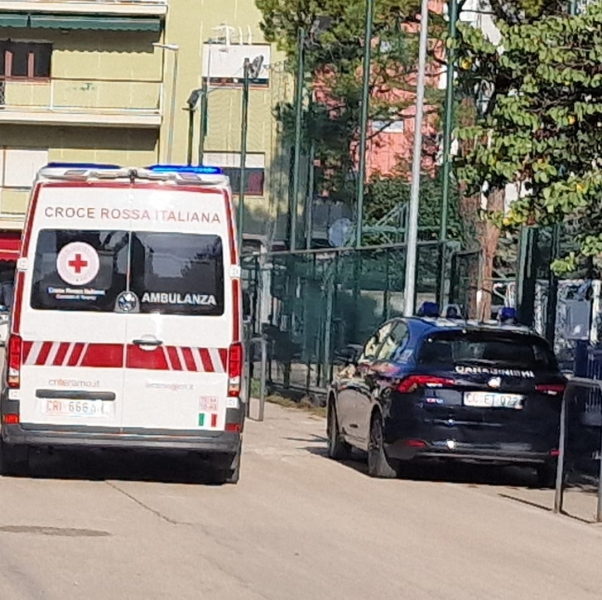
[(314, 306)]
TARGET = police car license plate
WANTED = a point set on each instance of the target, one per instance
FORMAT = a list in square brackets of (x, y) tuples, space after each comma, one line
[(493, 400), (77, 408)]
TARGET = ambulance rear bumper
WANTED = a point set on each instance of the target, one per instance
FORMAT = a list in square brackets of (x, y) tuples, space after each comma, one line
[(204, 442)]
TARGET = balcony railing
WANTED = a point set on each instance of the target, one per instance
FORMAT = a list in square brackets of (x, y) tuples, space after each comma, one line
[(67, 96), (114, 2)]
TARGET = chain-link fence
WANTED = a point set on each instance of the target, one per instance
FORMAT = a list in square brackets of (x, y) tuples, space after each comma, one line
[(315, 306)]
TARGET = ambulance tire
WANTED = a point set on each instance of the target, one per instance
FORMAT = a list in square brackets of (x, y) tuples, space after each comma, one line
[(14, 460)]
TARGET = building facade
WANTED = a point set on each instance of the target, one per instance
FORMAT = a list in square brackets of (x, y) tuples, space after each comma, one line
[(108, 81)]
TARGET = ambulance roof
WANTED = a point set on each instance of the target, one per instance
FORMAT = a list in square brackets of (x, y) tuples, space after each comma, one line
[(181, 174)]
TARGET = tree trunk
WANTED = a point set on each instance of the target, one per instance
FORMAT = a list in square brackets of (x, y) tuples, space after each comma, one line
[(489, 237)]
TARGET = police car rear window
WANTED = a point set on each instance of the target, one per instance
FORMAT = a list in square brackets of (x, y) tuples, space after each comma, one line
[(79, 270), (178, 273), (171, 273), (487, 349)]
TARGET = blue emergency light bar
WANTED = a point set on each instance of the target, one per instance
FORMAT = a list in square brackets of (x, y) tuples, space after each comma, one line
[(429, 310), (507, 314), (65, 165), (185, 169)]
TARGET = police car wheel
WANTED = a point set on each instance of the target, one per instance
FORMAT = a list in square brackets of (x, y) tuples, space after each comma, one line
[(379, 465), (338, 448), (14, 460), (546, 476)]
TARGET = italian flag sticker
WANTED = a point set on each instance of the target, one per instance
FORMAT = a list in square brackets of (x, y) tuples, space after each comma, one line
[(208, 420)]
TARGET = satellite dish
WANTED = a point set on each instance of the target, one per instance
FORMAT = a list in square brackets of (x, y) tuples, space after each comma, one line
[(338, 232)]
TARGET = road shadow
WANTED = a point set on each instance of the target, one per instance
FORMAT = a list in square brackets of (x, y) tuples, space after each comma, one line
[(121, 465), (470, 474)]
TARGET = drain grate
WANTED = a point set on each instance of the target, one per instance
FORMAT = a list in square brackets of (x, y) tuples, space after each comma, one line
[(56, 531)]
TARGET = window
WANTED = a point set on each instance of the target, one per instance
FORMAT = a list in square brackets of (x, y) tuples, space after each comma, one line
[(50, 292), (171, 273), (395, 343), (19, 166), (483, 348), (394, 126), (178, 273), (229, 162), (373, 344), (223, 63), (25, 60)]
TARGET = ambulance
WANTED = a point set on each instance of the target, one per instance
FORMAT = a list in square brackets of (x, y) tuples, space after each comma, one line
[(126, 327)]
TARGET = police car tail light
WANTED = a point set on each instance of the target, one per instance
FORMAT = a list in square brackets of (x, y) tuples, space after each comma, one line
[(551, 389), (413, 382), (235, 363), (15, 351)]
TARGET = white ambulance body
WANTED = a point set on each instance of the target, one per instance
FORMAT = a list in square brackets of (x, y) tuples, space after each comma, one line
[(126, 328)]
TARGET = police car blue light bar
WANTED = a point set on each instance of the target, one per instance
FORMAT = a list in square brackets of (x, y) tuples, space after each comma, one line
[(429, 309), (507, 315), (65, 165), (185, 169)]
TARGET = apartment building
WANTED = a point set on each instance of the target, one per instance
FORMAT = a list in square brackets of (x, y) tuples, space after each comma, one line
[(109, 80)]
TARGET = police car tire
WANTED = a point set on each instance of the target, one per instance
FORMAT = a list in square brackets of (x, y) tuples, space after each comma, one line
[(13, 460), (546, 476), (379, 466), (338, 448)]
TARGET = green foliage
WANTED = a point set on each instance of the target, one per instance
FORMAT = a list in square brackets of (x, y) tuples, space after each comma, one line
[(333, 67), (385, 193), (540, 120)]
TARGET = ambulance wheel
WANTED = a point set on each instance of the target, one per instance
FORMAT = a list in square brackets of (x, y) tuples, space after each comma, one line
[(14, 460)]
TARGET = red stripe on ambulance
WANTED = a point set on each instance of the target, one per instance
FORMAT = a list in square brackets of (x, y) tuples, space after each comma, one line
[(163, 358)]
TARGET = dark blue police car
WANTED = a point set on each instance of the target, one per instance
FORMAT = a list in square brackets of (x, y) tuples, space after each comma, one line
[(431, 388)]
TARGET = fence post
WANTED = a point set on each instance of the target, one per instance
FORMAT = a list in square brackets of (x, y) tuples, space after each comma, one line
[(559, 491), (262, 389), (263, 342)]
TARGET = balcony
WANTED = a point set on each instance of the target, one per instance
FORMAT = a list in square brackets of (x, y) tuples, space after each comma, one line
[(82, 102), (154, 8)]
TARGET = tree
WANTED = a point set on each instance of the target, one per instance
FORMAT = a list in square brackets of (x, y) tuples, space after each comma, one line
[(485, 80), (334, 58), (543, 123)]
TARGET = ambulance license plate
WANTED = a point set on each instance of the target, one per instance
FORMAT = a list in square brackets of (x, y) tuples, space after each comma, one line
[(77, 408)]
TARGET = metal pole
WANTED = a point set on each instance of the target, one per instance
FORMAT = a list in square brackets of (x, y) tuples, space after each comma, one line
[(559, 493), (553, 286), (243, 151), (361, 176), (412, 228), (309, 213), (447, 139), (172, 128), (205, 106), (203, 128), (599, 508), (262, 389), (297, 147), (190, 135)]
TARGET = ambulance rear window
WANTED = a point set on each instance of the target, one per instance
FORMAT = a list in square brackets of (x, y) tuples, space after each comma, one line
[(79, 270), (178, 273)]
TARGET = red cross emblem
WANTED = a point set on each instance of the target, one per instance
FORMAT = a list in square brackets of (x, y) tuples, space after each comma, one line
[(78, 263)]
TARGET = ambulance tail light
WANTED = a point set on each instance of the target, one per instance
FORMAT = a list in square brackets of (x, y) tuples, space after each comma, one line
[(14, 356), (235, 366)]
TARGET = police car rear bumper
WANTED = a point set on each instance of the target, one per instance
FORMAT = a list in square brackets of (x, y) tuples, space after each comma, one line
[(24, 434)]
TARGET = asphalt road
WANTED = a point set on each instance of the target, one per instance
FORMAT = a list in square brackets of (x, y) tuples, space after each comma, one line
[(298, 526)]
